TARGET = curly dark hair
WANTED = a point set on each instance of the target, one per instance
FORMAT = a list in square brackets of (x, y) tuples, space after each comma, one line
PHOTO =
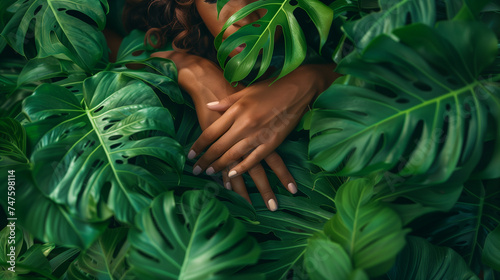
[(177, 20)]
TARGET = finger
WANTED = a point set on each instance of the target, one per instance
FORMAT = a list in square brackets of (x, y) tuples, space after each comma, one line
[(225, 180), (235, 153), (251, 160), (238, 185), (217, 149), (278, 166), (225, 103), (212, 133), (259, 177)]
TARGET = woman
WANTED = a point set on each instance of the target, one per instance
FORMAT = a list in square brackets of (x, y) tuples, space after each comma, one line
[(241, 125)]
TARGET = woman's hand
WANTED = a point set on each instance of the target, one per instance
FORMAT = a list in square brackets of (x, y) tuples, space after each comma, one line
[(258, 118), (204, 82)]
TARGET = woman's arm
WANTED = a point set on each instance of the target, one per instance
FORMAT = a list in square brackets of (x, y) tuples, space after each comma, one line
[(258, 118)]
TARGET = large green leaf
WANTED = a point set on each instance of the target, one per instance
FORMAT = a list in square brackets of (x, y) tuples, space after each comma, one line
[(89, 160), (260, 36), (424, 112), (466, 227), (325, 259), (64, 29), (204, 242), (105, 259), (369, 231), (422, 260)]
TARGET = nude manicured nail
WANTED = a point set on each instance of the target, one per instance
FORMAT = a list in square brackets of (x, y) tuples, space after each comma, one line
[(210, 170), (292, 188), (228, 186), (232, 173), (196, 170), (191, 154), (272, 204), (213, 103)]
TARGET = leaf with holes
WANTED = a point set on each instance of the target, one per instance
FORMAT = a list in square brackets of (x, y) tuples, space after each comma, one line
[(202, 242), (94, 158), (369, 231), (260, 36), (424, 112), (466, 226), (64, 29)]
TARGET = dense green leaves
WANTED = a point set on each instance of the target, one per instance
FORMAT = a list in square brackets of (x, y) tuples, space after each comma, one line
[(422, 111), (422, 260), (204, 242), (12, 143), (260, 36), (94, 147), (64, 29), (369, 231)]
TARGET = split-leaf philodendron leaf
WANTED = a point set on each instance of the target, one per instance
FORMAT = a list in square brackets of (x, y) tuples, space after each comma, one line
[(91, 159), (260, 36), (203, 242), (424, 110)]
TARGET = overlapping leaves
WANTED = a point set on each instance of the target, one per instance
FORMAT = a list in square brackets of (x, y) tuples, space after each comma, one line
[(204, 242), (92, 157), (260, 36), (424, 110)]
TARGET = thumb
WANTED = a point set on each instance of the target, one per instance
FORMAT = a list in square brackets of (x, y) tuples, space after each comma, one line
[(224, 104)]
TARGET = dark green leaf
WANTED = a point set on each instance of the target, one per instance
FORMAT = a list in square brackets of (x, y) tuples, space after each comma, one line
[(369, 231), (260, 36), (423, 111), (422, 260), (94, 146), (206, 243), (105, 259), (61, 29), (133, 48)]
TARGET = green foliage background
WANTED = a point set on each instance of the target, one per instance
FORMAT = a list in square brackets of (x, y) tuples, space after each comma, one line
[(397, 163)]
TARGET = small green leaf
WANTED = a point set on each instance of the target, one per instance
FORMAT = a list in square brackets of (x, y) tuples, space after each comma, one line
[(260, 36), (491, 251), (12, 143), (369, 231)]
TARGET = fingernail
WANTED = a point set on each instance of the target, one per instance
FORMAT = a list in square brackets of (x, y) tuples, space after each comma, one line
[(210, 170), (191, 154), (292, 188), (213, 103), (228, 186), (197, 170), (272, 204), (232, 173)]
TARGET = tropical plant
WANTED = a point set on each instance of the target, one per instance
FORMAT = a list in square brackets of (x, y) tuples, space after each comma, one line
[(397, 163)]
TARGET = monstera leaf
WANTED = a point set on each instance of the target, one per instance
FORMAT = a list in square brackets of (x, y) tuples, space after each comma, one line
[(12, 143), (203, 242), (468, 224), (260, 36), (92, 159), (424, 112), (105, 259), (64, 29), (369, 231), (422, 260)]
